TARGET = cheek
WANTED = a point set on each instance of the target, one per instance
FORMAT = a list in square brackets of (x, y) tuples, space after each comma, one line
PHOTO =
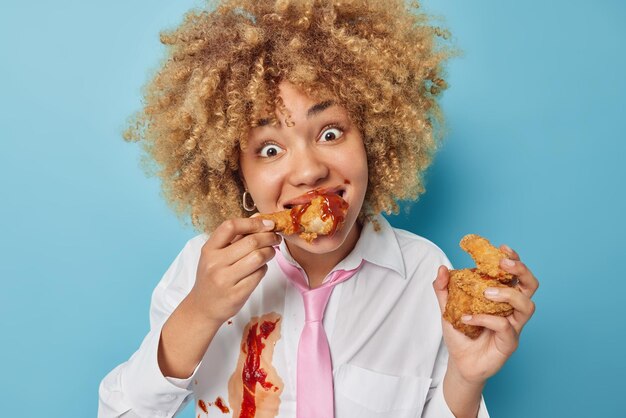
[(264, 186), (357, 163)]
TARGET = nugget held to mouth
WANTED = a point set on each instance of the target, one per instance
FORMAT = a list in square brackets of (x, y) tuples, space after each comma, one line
[(323, 214)]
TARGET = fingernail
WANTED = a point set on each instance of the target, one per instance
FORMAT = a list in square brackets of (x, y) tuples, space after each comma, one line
[(492, 291), (268, 223), (507, 248), (466, 318), (508, 263)]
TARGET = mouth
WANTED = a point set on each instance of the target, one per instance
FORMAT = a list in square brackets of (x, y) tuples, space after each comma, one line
[(308, 196)]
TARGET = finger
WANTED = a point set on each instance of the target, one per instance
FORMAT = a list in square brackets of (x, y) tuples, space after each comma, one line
[(509, 252), (229, 229), (237, 238), (505, 337), (247, 285), (441, 286), (250, 243), (252, 262), (523, 307), (513, 297), (528, 283)]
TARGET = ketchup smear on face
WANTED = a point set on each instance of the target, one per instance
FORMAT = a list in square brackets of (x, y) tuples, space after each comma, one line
[(252, 371), (333, 207)]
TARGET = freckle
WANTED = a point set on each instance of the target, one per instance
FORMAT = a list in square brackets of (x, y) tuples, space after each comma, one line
[(346, 181)]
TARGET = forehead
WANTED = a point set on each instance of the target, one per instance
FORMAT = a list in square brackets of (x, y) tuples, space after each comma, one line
[(293, 103), (293, 97)]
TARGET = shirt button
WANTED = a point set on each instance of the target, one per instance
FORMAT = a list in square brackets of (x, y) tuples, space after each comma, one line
[(169, 397)]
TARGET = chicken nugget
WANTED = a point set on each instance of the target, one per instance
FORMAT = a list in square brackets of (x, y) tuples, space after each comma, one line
[(323, 215), (465, 297), (486, 256)]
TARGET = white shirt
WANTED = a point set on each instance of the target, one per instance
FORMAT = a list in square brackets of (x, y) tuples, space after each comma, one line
[(383, 327)]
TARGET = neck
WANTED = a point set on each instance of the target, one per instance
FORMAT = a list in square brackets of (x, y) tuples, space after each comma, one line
[(317, 266)]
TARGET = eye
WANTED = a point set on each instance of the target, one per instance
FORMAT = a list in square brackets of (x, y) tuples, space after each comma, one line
[(331, 133), (270, 150)]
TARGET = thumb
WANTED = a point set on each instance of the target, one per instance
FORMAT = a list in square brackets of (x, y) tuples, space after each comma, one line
[(441, 286)]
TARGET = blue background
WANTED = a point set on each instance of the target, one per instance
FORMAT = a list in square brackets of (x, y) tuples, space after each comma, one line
[(534, 157)]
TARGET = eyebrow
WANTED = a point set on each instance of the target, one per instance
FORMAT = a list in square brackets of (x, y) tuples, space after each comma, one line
[(314, 110), (318, 108)]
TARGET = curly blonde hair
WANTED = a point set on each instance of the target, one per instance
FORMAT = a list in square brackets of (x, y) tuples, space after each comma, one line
[(380, 60)]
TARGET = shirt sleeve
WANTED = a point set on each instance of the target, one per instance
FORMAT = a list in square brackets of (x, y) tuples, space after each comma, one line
[(436, 406), (137, 388)]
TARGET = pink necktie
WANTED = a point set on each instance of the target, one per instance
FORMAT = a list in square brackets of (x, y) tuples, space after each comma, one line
[(314, 391)]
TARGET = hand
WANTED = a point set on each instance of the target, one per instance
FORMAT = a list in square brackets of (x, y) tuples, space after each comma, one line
[(477, 360), (232, 263)]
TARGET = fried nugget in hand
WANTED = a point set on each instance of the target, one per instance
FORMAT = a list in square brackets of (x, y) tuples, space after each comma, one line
[(465, 297), (486, 256), (323, 215), (466, 287)]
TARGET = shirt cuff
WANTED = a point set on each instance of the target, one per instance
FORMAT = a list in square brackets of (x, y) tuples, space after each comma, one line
[(149, 392), (183, 383), (438, 408)]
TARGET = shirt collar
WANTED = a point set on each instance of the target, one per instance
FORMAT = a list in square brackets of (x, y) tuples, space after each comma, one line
[(376, 247)]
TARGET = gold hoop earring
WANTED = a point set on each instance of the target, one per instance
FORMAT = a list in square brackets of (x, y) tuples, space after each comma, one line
[(246, 196)]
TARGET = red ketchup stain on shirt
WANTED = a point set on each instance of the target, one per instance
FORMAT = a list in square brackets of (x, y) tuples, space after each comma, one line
[(252, 371), (220, 404), (202, 406), (333, 207)]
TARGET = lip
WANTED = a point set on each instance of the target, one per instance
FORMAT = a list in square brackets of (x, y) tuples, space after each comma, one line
[(308, 196)]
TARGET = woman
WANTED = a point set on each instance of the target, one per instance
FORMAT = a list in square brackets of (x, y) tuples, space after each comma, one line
[(257, 105)]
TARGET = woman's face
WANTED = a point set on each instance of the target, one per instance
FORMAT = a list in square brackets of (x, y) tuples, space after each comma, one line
[(322, 148)]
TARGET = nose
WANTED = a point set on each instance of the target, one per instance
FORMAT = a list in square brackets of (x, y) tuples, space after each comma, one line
[(309, 167)]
